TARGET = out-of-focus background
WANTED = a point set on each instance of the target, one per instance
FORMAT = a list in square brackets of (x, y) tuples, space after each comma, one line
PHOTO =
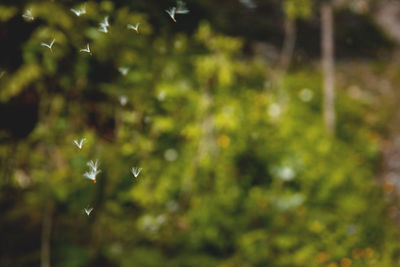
[(267, 131)]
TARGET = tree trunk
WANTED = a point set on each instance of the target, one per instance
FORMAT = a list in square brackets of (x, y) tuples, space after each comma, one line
[(46, 235), (288, 43), (386, 14), (328, 67)]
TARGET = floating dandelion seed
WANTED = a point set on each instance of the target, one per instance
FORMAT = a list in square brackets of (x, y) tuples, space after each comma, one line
[(93, 172), (28, 15), (123, 70), (49, 45), (79, 12), (181, 8), (171, 13), (87, 49), (80, 143), (88, 211), (104, 25), (2, 74), (135, 171), (136, 27)]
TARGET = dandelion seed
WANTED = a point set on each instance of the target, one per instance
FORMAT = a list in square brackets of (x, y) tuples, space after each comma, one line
[(135, 171), (87, 49), (28, 15), (49, 45), (80, 143), (88, 211), (136, 27), (181, 8), (104, 25), (93, 172), (171, 13), (2, 74), (78, 12)]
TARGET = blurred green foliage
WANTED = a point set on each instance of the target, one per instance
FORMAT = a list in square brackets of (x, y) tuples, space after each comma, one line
[(298, 8), (237, 169)]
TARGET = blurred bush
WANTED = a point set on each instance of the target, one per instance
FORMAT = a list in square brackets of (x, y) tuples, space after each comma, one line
[(237, 169)]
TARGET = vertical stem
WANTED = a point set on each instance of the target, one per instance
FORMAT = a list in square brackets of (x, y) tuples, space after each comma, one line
[(288, 43), (46, 235), (328, 67)]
